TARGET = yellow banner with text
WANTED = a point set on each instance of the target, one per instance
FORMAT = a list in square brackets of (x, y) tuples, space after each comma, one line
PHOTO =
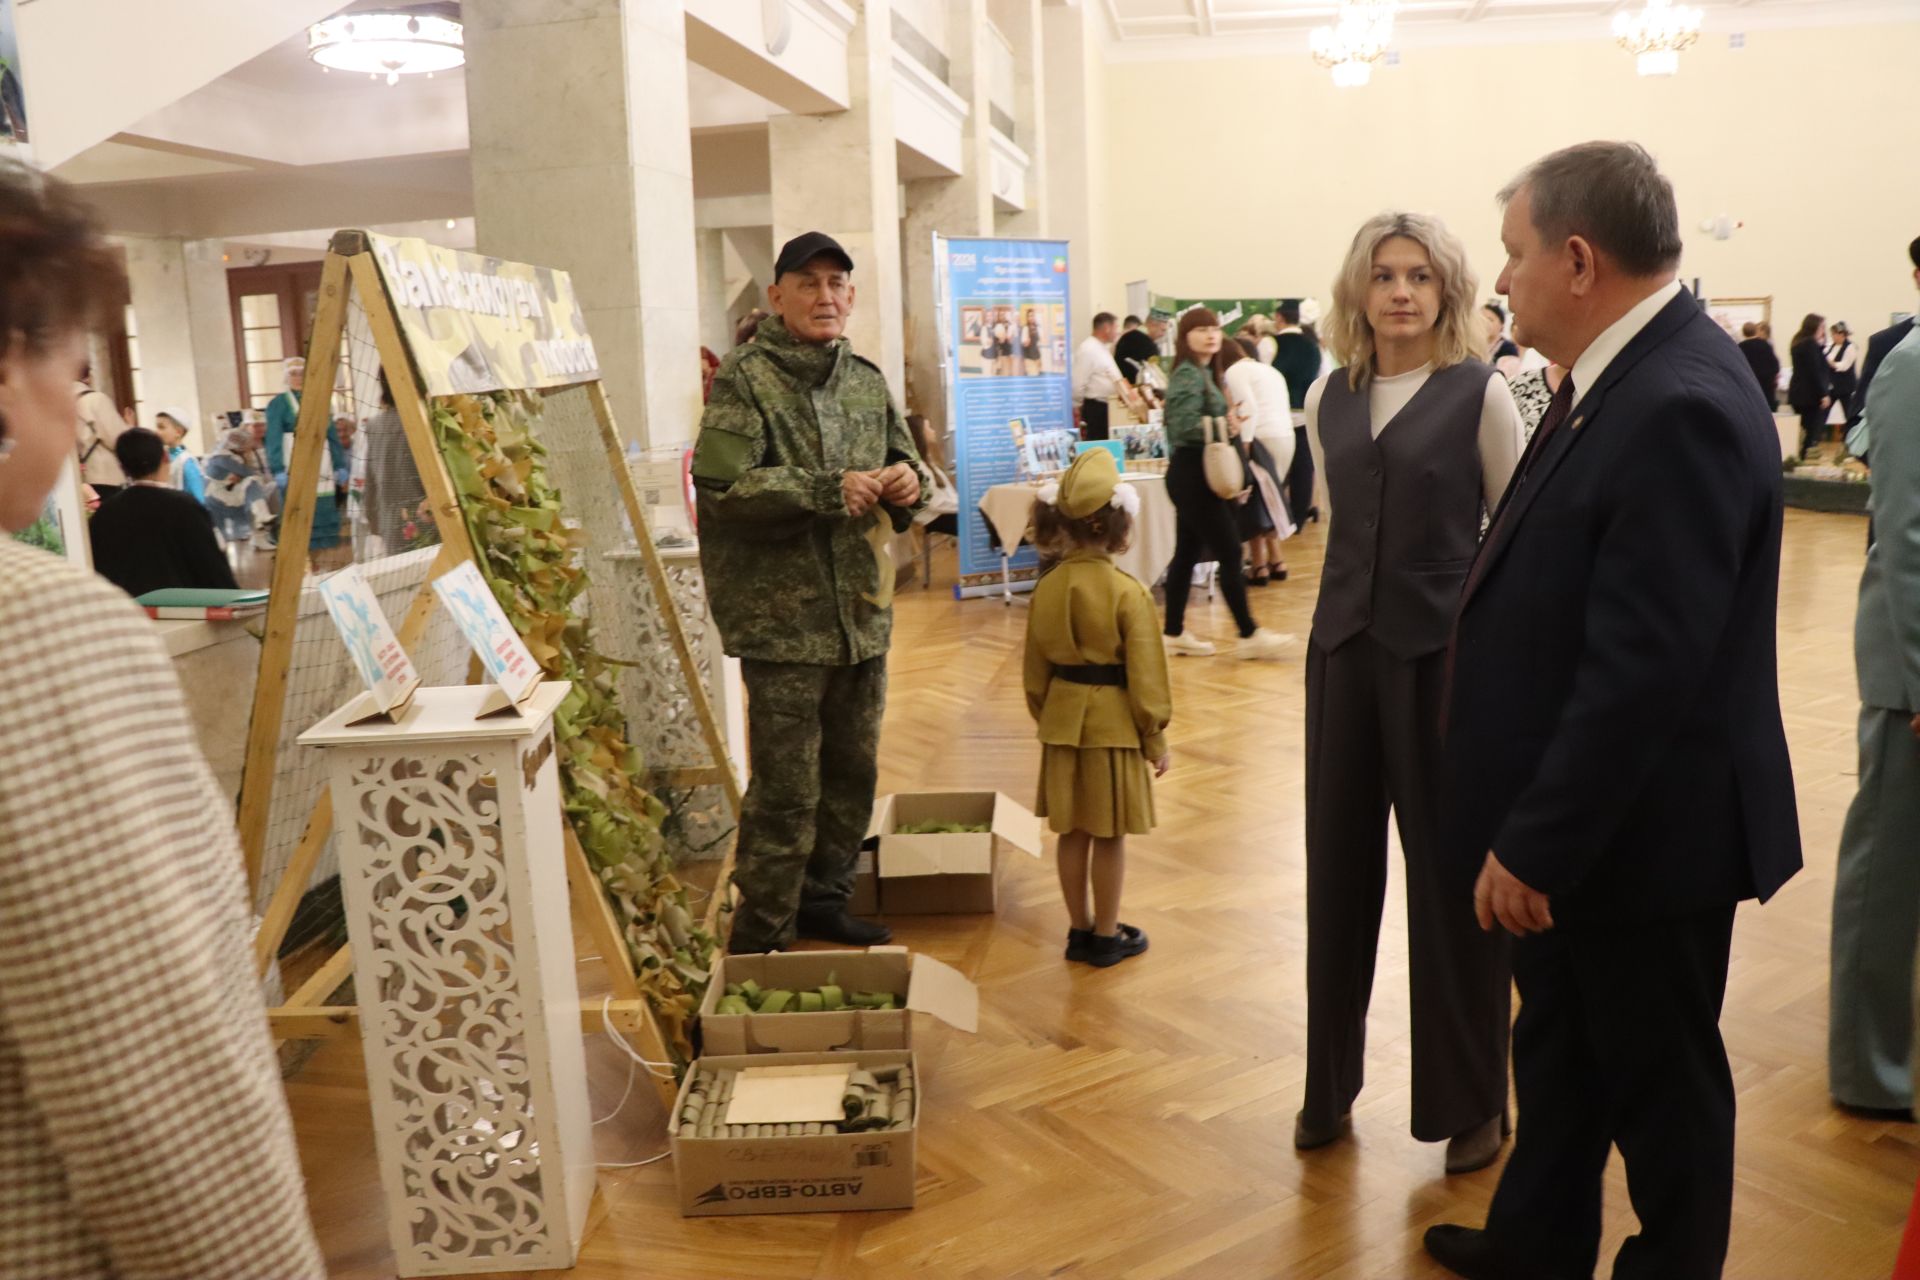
[(481, 324)]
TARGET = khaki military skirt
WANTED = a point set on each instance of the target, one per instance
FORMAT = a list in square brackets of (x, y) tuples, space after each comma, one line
[(1104, 791)]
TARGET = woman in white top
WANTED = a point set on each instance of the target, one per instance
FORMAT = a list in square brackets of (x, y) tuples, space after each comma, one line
[(1843, 357), (143, 1131), (1415, 436), (1264, 419)]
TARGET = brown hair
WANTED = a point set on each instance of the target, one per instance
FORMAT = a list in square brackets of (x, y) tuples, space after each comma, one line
[(1057, 535), (56, 272), (1230, 354), (1809, 328), (1191, 319)]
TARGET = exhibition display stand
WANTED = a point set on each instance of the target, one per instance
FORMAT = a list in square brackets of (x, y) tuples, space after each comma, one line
[(453, 867)]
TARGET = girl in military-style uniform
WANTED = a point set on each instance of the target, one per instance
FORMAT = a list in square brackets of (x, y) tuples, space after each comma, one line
[(1096, 680)]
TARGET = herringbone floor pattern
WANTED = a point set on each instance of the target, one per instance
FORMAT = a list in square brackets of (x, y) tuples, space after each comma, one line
[(1135, 1124)]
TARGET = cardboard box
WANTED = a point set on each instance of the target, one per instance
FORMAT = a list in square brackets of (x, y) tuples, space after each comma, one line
[(866, 886), (921, 983), (826, 1174), (947, 874)]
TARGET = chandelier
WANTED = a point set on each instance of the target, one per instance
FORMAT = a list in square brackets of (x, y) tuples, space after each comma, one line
[(387, 44), (1657, 34), (1356, 40)]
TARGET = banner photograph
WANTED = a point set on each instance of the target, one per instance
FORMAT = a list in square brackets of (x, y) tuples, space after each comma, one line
[(1005, 330), (481, 324)]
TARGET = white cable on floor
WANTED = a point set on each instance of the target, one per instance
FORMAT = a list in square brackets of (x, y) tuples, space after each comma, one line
[(606, 1022)]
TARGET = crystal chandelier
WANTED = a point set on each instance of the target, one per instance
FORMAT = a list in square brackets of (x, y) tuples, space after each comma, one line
[(1356, 40), (1657, 34), (387, 44)]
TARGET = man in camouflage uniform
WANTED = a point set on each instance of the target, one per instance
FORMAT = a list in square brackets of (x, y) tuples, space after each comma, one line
[(802, 467)]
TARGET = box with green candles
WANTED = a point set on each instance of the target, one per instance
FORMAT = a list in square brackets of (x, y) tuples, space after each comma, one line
[(939, 850), (817, 1001), (796, 1133)]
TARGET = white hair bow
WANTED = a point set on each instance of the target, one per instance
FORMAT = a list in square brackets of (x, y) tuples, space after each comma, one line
[(1127, 498), (1049, 493)]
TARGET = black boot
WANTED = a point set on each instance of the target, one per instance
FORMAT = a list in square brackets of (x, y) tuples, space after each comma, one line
[(836, 924)]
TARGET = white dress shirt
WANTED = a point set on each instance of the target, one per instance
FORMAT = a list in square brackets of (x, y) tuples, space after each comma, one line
[(1259, 392), (1503, 435), (1601, 352), (1095, 375)]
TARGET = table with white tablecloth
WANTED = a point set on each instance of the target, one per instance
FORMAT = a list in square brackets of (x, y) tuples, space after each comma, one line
[(1008, 509)]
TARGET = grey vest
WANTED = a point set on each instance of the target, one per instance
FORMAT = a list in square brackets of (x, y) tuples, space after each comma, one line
[(1406, 511)]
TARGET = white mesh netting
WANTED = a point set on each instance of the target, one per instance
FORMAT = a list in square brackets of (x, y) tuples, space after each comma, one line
[(629, 628)]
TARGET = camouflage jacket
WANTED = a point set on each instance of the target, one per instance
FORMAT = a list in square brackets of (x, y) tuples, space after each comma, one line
[(789, 573)]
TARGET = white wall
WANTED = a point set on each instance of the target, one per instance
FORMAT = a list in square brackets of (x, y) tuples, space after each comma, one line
[(1257, 171)]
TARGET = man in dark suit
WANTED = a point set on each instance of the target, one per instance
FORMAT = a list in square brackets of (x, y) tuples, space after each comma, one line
[(1615, 755), (1884, 341), (1756, 344)]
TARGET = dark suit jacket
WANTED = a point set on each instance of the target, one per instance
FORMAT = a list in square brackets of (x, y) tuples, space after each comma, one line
[(1812, 377), (1766, 367), (1297, 358), (1877, 347), (1614, 731)]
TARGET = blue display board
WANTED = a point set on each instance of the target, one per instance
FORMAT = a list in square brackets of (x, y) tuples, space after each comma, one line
[(1006, 332)]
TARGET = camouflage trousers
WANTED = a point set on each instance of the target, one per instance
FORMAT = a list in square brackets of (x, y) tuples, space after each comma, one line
[(814, 742)]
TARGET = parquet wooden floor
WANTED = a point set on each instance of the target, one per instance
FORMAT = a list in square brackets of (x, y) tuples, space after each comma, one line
[(1135, 1124)]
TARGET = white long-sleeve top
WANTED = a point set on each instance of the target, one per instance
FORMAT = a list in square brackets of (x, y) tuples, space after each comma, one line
[(1095, 375), (143, 1131), (1259, 393), (1502, 433), (1844, 359)]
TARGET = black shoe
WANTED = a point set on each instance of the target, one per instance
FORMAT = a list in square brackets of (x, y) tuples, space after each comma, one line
[(1079, 944), (1280, 574), (835, 924), (1471, 1252), (1311, 1137), (1104, 952), (1313, 515), (738, 944), (1902, 1115)]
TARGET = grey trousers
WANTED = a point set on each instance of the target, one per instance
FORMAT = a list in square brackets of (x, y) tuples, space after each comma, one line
[(1373, 741), (1876, 921)]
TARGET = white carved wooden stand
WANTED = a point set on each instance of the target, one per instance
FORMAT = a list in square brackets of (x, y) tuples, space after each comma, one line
[(454, 872)]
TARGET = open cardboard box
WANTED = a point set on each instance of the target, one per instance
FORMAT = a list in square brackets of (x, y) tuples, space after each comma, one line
[(921, 983), (823, 1174), (947, 874)]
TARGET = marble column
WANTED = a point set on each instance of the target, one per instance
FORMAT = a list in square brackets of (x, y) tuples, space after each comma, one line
[(839, 174), (956, 206), (582, 160), (1023, 27), (1075, 173), (183, 321)]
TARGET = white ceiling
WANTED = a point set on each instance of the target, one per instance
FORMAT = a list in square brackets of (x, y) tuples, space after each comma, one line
[(1176, 27)]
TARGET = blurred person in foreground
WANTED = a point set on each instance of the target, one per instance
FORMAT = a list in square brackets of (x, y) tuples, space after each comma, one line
[(143, 1131)]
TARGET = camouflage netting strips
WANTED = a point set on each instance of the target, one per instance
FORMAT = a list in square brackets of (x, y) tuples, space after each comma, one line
[(530, 557)]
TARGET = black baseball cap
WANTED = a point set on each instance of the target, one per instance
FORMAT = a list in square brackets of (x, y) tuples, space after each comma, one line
[(802, 249)]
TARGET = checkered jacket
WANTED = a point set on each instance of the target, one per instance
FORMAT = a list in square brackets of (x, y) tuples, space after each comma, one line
[(143, 1130)]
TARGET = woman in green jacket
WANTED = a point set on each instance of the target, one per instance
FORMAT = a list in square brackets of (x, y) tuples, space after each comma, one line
[(1205, 526)]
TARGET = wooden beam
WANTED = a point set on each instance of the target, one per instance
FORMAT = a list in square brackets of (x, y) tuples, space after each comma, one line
[(325, 980), (290, 570), (293, 884)]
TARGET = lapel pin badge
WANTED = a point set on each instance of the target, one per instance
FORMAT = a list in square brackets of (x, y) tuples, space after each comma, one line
[(1575, 424)]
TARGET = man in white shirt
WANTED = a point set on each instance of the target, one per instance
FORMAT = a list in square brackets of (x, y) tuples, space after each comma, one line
[(97, 425), (1096, 378)]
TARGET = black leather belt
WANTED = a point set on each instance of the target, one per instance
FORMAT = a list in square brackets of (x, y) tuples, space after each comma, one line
[(1111, 674)]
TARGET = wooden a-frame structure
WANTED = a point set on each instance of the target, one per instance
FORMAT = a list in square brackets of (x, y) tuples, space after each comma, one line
[(350, 266)]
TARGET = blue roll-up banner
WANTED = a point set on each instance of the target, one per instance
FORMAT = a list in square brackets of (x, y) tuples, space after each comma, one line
[(1004, 330)]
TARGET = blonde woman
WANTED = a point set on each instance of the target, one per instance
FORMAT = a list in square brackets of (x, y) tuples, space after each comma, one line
[(1415, 436)]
